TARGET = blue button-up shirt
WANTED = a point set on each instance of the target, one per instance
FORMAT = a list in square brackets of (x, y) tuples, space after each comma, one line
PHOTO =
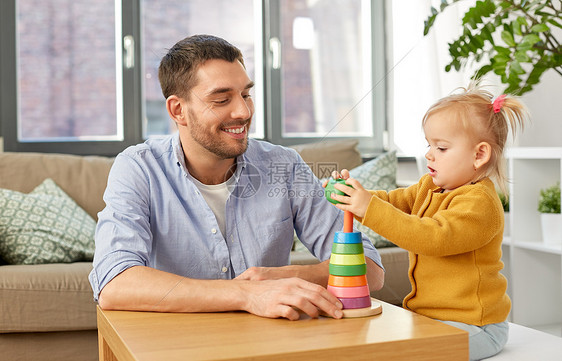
[(155, 216)]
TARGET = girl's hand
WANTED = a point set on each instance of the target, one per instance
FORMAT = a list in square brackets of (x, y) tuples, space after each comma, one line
[(344, 175), (356, 199)]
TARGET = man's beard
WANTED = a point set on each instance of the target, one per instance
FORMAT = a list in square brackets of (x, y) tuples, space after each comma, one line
[(220, 149)]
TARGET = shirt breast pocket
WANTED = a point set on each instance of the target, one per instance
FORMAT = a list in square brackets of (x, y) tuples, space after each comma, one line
[(275, 242)]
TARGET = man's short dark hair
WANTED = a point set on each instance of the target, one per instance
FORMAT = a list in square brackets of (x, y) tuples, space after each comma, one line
[(178, 67)]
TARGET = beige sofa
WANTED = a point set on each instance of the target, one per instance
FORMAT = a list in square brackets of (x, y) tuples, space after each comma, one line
[(47, 311)]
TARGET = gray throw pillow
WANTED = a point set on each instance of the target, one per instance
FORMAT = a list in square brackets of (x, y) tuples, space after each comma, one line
[(44, 226)]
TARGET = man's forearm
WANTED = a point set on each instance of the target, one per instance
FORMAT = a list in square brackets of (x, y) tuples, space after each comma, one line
[(146, 289), (375, 275), (316, 273)]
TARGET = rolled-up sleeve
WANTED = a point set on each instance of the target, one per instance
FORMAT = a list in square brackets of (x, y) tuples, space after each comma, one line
[(123, 237)]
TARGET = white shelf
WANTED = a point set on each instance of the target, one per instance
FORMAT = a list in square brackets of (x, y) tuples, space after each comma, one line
[(539, 246), (507, 241), (534, 153), (533, 268)]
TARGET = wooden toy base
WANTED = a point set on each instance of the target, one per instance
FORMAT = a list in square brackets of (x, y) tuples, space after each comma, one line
[(375, 309)]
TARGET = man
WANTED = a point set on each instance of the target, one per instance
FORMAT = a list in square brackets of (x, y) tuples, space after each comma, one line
[(196, 222)]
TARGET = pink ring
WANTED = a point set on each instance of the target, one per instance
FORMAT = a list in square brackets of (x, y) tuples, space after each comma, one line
[(351, 303), (349, 292)]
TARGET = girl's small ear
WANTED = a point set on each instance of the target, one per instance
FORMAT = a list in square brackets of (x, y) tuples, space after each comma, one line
[(175, 106), (483, 153)]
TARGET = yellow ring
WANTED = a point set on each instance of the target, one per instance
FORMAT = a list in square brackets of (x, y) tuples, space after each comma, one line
[(347, 259)]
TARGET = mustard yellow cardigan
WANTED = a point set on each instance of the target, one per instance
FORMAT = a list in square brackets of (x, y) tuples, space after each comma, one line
[(454, 243)]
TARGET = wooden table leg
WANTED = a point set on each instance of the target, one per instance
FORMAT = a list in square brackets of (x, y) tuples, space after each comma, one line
[(104, 350)]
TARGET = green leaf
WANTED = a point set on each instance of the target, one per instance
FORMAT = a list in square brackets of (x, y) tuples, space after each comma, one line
[(516, 68), (524, 46), (427, 24), (516, 27), (505, 4), (549, 199), (430, 20), (507, 38), (555, 23), (501, 59), (502, 50), (499, 67), (483, 70), (487, 33), (454, 49), (517, 53), (457, 65), (540, 28), (522, 57), (513, 88), (531, 39), (521, 20)]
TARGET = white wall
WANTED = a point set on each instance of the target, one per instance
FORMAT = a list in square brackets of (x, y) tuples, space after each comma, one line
[(545, 105)]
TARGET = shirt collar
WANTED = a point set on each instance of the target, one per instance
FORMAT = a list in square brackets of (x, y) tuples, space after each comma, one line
[(241, 160), (178, 150)]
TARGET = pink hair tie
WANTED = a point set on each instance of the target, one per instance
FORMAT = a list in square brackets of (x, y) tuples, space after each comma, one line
[(498, 103)]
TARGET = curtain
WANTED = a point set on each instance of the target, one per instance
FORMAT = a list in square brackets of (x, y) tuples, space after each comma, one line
[(416, 63)]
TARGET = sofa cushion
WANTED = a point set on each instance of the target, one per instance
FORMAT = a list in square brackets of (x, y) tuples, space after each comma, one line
[(47, 297), (44, 226), (328, 155), (83, 178), (396, 282)]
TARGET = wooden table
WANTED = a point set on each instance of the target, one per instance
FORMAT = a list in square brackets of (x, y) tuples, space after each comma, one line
[(396, 334)]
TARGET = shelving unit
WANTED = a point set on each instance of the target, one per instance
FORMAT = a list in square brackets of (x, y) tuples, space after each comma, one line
[(533, 268)]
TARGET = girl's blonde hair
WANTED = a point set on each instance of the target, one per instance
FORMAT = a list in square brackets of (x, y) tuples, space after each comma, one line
[(485, 120)]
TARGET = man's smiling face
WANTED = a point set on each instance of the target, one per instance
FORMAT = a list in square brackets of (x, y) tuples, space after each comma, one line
[(220, 108)]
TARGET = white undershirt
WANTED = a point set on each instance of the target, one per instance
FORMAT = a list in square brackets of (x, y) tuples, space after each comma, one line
[(216, 196)]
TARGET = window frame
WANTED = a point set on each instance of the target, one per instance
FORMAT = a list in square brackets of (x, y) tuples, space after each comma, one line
[(131, 96), (132, 87), (367, 145)]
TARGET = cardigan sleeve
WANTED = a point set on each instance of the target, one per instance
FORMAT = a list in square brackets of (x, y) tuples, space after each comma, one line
[(464, 221), (401, 198)]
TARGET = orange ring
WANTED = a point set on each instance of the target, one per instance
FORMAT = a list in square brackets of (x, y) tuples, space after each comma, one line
[(347, 281)]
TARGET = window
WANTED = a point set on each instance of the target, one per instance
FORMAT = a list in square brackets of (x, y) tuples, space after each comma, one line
[(327, 71), (67, 70), (62, 82), (325, 68), (81, 77)]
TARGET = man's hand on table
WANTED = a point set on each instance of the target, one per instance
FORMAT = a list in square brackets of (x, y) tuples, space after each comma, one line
[(279, 298)]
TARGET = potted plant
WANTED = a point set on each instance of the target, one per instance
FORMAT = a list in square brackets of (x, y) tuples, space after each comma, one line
[(512, 38), (551, 219), (505, 204)]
